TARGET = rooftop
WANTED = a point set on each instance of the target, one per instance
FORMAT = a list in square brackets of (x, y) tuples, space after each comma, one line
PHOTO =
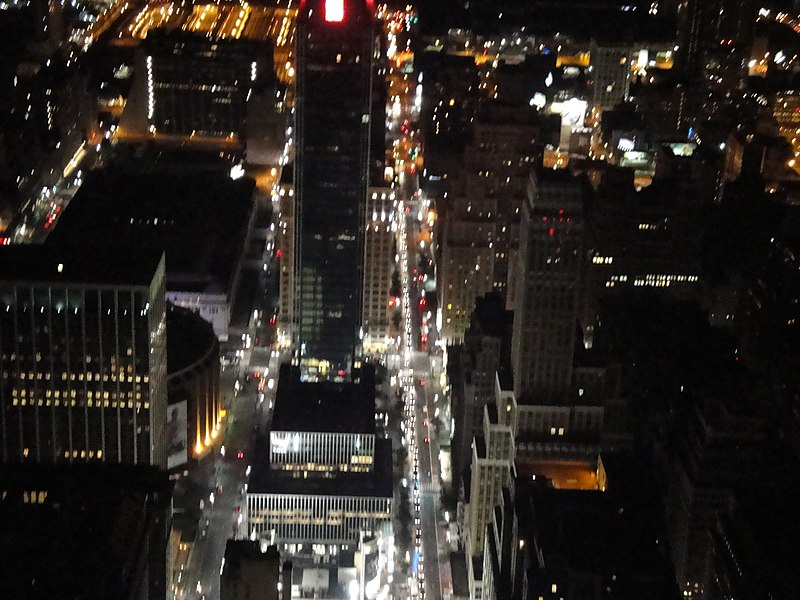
[(189, 338), (490, 316), (458, 567), (324, 407), (71, 532), (617, 533), (239, 552), (555, 189), (562, 474), (199, 220), (84, 264)]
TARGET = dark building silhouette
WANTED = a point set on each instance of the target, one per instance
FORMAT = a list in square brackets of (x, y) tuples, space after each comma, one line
[(84, 531), (250, 574), (192, 385), (550, 275), (197, 85), (336, 44)]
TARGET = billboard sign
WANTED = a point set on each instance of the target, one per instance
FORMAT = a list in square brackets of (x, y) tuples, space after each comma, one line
[(177, 433)]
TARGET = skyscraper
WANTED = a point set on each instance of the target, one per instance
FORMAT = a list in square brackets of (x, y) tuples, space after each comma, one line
[(547, 308), (83, 355), (706, 25), (336, 43)]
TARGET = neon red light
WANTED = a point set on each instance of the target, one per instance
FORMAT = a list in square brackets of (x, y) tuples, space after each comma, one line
[(334, 11)]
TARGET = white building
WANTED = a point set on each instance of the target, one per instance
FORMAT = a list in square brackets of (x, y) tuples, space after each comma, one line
[(323, 513), (325, 480), (378, 267), (213, 306)]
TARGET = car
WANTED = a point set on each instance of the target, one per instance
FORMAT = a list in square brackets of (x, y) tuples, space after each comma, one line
[(427, 440), (240, 454)]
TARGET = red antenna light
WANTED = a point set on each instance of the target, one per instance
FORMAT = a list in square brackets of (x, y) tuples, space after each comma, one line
[(334, 11)]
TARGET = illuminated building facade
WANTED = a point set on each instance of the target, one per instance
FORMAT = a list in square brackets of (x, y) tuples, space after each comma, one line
[(192, 383), (486, 350), (323, 479), (285, 244), (336, 46), (610, 74), (323, 429), (329, 518), (481, 232), (492, 462), (324, 516), (323, 452), (83, 351), (379, 264)]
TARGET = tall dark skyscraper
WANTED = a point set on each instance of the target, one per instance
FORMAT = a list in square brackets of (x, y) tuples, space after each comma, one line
[(706, 25), (548, 301), (336, 43)]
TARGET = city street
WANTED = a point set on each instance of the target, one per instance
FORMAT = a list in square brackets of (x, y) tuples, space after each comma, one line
[(247, 397), (228, 473), (429, 534), (39, 215), (434, 568)]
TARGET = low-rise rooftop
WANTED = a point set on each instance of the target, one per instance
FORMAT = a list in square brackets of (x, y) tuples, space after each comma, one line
[(80, 264), (78, 531), (200, 221), (324, 407)]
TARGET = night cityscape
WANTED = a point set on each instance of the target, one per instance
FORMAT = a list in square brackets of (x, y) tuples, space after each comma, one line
[(388, 300)]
